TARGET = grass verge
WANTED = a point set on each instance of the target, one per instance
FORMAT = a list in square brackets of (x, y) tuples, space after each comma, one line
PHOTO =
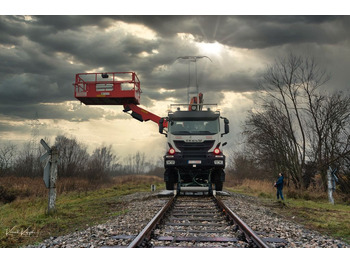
[(311, 209), (24, 221)]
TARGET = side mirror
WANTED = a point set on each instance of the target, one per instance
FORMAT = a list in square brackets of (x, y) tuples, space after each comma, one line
[(227, 127)]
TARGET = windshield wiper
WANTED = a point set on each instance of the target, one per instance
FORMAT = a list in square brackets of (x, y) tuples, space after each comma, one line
[(181, 133)]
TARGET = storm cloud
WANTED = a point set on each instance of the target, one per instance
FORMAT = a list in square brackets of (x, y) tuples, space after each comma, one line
[(40, 55)]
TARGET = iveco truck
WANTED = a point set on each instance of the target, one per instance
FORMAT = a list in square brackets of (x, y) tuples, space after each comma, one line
[(194, 158)]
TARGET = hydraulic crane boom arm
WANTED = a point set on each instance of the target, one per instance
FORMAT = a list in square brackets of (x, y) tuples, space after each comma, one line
[(142, 114)]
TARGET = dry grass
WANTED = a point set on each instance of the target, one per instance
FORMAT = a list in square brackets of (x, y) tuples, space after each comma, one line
[(309, 207), (265, 188), (25, 187), (80, 203)]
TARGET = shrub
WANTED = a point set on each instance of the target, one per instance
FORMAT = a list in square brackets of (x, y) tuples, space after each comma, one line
[(7, 195)]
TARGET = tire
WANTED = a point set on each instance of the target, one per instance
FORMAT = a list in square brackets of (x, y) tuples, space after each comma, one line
[(218, 186), (169, 179), (218, 176), (169, 185)]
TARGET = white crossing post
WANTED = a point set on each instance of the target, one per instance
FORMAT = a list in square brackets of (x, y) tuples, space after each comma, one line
[(50, 174), (53, 178), (330, 185)]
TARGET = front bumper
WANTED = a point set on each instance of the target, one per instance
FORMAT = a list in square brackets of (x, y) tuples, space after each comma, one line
[(194, 161)]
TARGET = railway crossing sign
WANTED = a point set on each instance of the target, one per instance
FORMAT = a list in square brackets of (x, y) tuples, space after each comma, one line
[(50, 173)]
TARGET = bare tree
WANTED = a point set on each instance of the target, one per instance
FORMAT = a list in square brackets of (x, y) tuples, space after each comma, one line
[(27, 162), (102, 163), (73, 156), (7, 158), (135, 164), (128, 167), (139, 162), (269, 141), (74, 160), (330, 130), (299, 126)]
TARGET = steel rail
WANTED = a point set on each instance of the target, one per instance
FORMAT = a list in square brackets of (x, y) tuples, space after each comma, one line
[(146, 232), (243, 226), (151, 225)]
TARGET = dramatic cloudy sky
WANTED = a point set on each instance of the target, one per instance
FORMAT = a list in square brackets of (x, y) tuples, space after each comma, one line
[(40, 55)]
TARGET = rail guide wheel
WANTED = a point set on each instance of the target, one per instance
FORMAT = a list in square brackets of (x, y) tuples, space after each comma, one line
[(194, 190)]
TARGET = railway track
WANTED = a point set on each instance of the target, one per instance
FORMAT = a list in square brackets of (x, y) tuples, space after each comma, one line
[(196, 221)]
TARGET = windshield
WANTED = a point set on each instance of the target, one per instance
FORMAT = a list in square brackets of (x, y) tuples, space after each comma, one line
[(200, 127)]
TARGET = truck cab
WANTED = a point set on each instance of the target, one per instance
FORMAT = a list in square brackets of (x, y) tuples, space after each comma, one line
[(195, 156)]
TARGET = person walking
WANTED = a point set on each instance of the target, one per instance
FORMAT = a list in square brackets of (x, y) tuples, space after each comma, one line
[(279, 186)]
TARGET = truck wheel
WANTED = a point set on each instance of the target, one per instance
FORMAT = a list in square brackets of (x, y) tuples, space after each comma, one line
[(169, 179), (169, 185), (218, 186)]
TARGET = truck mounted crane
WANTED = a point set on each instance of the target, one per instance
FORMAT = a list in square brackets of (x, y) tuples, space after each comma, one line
[(194, 160)]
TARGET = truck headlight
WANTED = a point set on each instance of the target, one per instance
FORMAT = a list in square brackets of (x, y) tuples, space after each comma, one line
[(170, 162), (218, 162)]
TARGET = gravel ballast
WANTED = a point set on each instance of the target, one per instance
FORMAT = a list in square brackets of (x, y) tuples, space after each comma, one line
[(141, 207), (268, 223)]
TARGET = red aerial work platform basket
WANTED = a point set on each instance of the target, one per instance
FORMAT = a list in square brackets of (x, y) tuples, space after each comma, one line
[(117, 88)]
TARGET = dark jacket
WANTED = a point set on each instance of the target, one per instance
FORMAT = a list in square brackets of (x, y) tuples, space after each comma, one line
[(279, 183)]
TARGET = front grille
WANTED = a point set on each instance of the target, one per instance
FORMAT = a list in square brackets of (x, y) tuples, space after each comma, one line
[(194, 148)]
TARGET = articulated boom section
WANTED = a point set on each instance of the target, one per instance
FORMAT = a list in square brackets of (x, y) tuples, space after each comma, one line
[(143, 115)]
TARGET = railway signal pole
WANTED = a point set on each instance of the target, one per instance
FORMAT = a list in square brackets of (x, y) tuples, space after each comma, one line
[(50, 174)]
